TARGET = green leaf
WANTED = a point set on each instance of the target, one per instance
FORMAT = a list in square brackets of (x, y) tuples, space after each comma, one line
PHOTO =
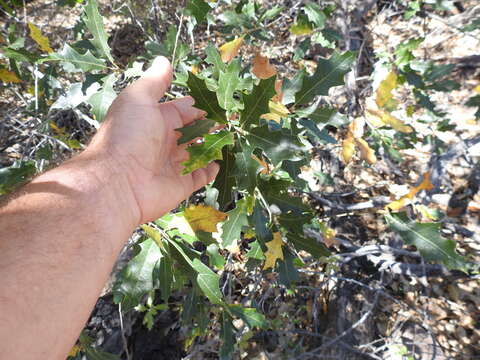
[(194, 130), (227, 335), (232, 227), (20, 55), (293, 168), (278, 145), (315, 14), (474, 101), (260, 221), (73, 61), (474, 25), (256, 103), (302, 26), (329, 73), (323, 116), (246, 169), (255, 251), (165, 276), (136, 279), (216, 259), (427, 239), (211, 149), (15, 175), (199, 9), (213, 58), (94, 22), (287, 271), (291, 87), (320, 134), (250, 315), (227, 83), (310, 245), (208, 282), (276, 193), (103, 98), (225, 180), (294, 223), (205, 99)]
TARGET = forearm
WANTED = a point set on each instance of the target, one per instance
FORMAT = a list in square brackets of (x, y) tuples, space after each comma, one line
[(59, 238)]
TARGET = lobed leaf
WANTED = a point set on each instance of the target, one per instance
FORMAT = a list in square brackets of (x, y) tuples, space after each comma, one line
[(427, 239), (211, 149)]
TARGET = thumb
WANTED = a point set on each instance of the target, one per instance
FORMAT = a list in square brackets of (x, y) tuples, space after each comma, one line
[(154, 81)]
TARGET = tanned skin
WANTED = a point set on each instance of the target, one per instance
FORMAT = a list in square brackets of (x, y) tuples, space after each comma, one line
[(61, 234)]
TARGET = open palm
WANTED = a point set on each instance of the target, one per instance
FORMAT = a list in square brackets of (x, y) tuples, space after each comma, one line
[(139, 135)]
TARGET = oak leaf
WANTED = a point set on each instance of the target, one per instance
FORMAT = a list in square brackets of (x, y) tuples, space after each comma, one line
[(274, 251), (230, 49), (262, 67), (384, 92), (277, 112), (348, 147), (42, 41), (9, 76), (425, 184), (204, 218)]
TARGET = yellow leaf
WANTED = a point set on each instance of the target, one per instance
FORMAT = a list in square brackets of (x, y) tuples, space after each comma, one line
[(154, 234), (384, 92), (9, 76), (376, 117), (277, 112), (230, 49), (366, 152), (74, 351), (57, 130), (348, 148), (477, 89), (194, 69), (328, 234), (425, 184), (41, 40), (204, 218), (262, 67), (249, 234), (301, 28), (274, 251)]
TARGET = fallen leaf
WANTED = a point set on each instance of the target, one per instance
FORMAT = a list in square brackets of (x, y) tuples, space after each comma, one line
[(230, 49), (366, 153), (379, 117), (274, 251), (204, 218), (384, 92), (41, 40), (9, 76), (425, 184), (262, 67), (477, 89), (348, 148)]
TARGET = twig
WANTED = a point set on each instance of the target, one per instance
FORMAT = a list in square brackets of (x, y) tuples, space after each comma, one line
[(180, 24), (122, 331)]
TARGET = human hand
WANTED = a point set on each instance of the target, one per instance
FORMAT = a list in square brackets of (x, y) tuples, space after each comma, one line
[(139, 139)]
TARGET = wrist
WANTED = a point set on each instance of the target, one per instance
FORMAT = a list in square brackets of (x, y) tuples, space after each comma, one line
[(97, 182)]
